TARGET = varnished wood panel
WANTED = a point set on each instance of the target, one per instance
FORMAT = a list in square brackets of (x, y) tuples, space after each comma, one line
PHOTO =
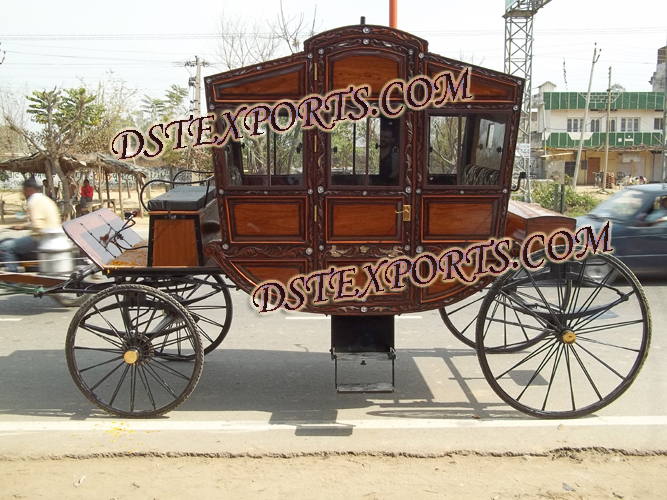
[(360, 70), (281, 84), (363, 221), (458, 218), (524, 219), (267, 219), (174, 243), (360, 280), (482, 88), (262, 270)]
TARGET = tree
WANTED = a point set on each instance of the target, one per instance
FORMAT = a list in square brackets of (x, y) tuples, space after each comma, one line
[(65, 116), (243, 43), (172, 107)]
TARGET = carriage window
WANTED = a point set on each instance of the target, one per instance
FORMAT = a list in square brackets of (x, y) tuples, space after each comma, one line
[(444, 149), (369, 147), (271, 159), (482, 154)]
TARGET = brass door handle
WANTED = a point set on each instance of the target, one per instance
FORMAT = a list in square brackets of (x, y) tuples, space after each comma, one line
[(407, 211)]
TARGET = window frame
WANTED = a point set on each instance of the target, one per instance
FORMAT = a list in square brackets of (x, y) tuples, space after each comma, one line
[(627, 121), (231, 143), (330, 186), (459, 171)]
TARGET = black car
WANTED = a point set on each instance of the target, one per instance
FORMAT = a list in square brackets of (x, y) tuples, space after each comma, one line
[(638, 229)]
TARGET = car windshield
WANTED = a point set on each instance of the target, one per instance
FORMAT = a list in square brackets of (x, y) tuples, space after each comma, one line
[(621, 206)]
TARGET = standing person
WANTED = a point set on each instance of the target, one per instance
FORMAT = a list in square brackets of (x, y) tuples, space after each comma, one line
[(43, 214), (87, 191)]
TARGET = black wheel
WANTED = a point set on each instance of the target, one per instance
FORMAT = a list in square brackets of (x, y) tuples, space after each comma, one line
[(460, 318), (585, 347), (118, 345), (208, 301)]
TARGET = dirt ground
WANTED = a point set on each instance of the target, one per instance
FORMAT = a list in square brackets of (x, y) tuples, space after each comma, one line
[(559, 475)]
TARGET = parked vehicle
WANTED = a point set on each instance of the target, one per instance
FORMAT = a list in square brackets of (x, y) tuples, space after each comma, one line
[(638, 236)]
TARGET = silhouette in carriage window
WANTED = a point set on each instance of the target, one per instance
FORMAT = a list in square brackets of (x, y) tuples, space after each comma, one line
[(365, 149), (389, 162)]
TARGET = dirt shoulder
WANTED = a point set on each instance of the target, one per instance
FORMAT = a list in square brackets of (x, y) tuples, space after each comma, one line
[(587, 474)]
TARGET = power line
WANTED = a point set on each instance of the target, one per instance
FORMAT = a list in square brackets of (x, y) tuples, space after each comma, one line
[(449, 33)]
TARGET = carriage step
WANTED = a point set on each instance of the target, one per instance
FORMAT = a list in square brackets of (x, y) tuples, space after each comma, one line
[(366, 360), (361, 388), (363, 344)]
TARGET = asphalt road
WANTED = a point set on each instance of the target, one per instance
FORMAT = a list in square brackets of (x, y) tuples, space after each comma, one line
[(270, 389)]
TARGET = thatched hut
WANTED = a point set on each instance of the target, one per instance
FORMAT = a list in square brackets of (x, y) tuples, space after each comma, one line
[(100, 167)]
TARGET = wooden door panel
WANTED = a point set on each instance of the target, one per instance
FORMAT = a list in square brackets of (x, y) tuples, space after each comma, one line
[(460, 218), (358, 220), (267, 220)]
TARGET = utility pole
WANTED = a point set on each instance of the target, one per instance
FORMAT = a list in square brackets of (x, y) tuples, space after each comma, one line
[(606, 146), (519, 16), (195, 82), (664, 120), (596, 56)]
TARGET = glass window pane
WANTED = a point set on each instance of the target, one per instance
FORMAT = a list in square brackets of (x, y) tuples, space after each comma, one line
[(286, 155), (346, 169), (443, 151), (369, 146), (483, 149), (385, 165)]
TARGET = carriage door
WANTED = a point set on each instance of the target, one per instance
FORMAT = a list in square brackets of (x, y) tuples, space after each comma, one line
[(365, 201)]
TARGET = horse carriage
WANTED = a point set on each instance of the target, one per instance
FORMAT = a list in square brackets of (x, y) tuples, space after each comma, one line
[(288, 199)]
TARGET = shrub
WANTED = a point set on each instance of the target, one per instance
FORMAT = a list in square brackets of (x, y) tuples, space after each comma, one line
[(575, 203)]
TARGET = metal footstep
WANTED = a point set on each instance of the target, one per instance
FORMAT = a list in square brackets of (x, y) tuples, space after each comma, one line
[(364, 359), (363, 345)]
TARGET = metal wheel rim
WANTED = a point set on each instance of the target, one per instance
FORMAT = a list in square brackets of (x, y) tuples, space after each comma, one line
[(118, 347), (551, 377)]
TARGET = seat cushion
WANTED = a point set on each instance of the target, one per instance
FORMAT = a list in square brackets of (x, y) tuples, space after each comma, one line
[(182, 198)]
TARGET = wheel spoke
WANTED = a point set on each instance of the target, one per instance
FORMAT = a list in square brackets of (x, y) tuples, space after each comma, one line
[(92, 328), (559, 353), (133, 385), (81, 370), (113, 329), (159, 380), (588, 376), (105, 377), (599, 342), (528, 358), (120, 383), (147, 388), (603, 328), (601, 362), (541, 366), (569, 376), (171, 371)]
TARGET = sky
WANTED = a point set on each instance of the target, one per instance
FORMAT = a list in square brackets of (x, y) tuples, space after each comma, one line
[(49, 44)]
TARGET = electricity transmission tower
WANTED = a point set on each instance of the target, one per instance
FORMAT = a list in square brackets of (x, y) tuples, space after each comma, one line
[(519, 61)]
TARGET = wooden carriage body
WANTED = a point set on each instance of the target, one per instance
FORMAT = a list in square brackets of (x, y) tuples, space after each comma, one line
[(308, 200)]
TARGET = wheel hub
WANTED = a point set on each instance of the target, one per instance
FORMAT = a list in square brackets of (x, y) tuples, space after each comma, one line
[(131, 356), (140, 352), (569, 337)]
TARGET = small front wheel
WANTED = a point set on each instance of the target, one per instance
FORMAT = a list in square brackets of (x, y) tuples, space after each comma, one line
[(119, 345)]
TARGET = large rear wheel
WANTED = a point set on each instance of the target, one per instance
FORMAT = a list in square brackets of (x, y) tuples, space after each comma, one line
[(585, 346)]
